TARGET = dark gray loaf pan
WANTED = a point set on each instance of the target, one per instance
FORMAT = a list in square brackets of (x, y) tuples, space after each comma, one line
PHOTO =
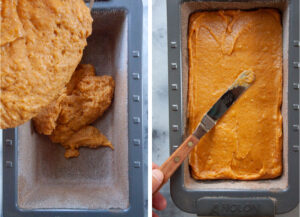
[(40, 182), (228, 197)]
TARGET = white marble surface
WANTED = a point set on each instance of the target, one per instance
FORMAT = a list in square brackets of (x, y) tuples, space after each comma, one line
[(145, 99), (160, 103)]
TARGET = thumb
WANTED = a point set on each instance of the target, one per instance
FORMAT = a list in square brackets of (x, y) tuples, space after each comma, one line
[(157, 179)]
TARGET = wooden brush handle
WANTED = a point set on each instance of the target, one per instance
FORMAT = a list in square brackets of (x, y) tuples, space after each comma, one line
[(176, 159)]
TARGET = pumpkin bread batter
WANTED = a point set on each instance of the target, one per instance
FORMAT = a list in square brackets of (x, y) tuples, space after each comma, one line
[(41, 44), (246, 144), (66, 119)]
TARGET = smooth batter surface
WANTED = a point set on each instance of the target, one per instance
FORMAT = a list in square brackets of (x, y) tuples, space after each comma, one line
[(246, 143)]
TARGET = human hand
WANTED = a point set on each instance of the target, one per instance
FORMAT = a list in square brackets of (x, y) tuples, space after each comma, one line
[(158, 200)]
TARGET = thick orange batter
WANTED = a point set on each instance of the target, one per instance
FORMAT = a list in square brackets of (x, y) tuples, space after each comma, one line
[(246, 143)]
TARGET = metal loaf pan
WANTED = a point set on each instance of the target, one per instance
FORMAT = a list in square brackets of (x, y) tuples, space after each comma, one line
[(228, 197), (39, 181)]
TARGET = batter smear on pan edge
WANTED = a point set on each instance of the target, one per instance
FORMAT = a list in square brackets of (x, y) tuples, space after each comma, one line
[(246, 143)]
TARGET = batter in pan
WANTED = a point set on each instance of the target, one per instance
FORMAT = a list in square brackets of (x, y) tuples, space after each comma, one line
[(246, 143)]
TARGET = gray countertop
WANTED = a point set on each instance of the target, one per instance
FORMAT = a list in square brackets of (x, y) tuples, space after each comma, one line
[(160, 115)]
